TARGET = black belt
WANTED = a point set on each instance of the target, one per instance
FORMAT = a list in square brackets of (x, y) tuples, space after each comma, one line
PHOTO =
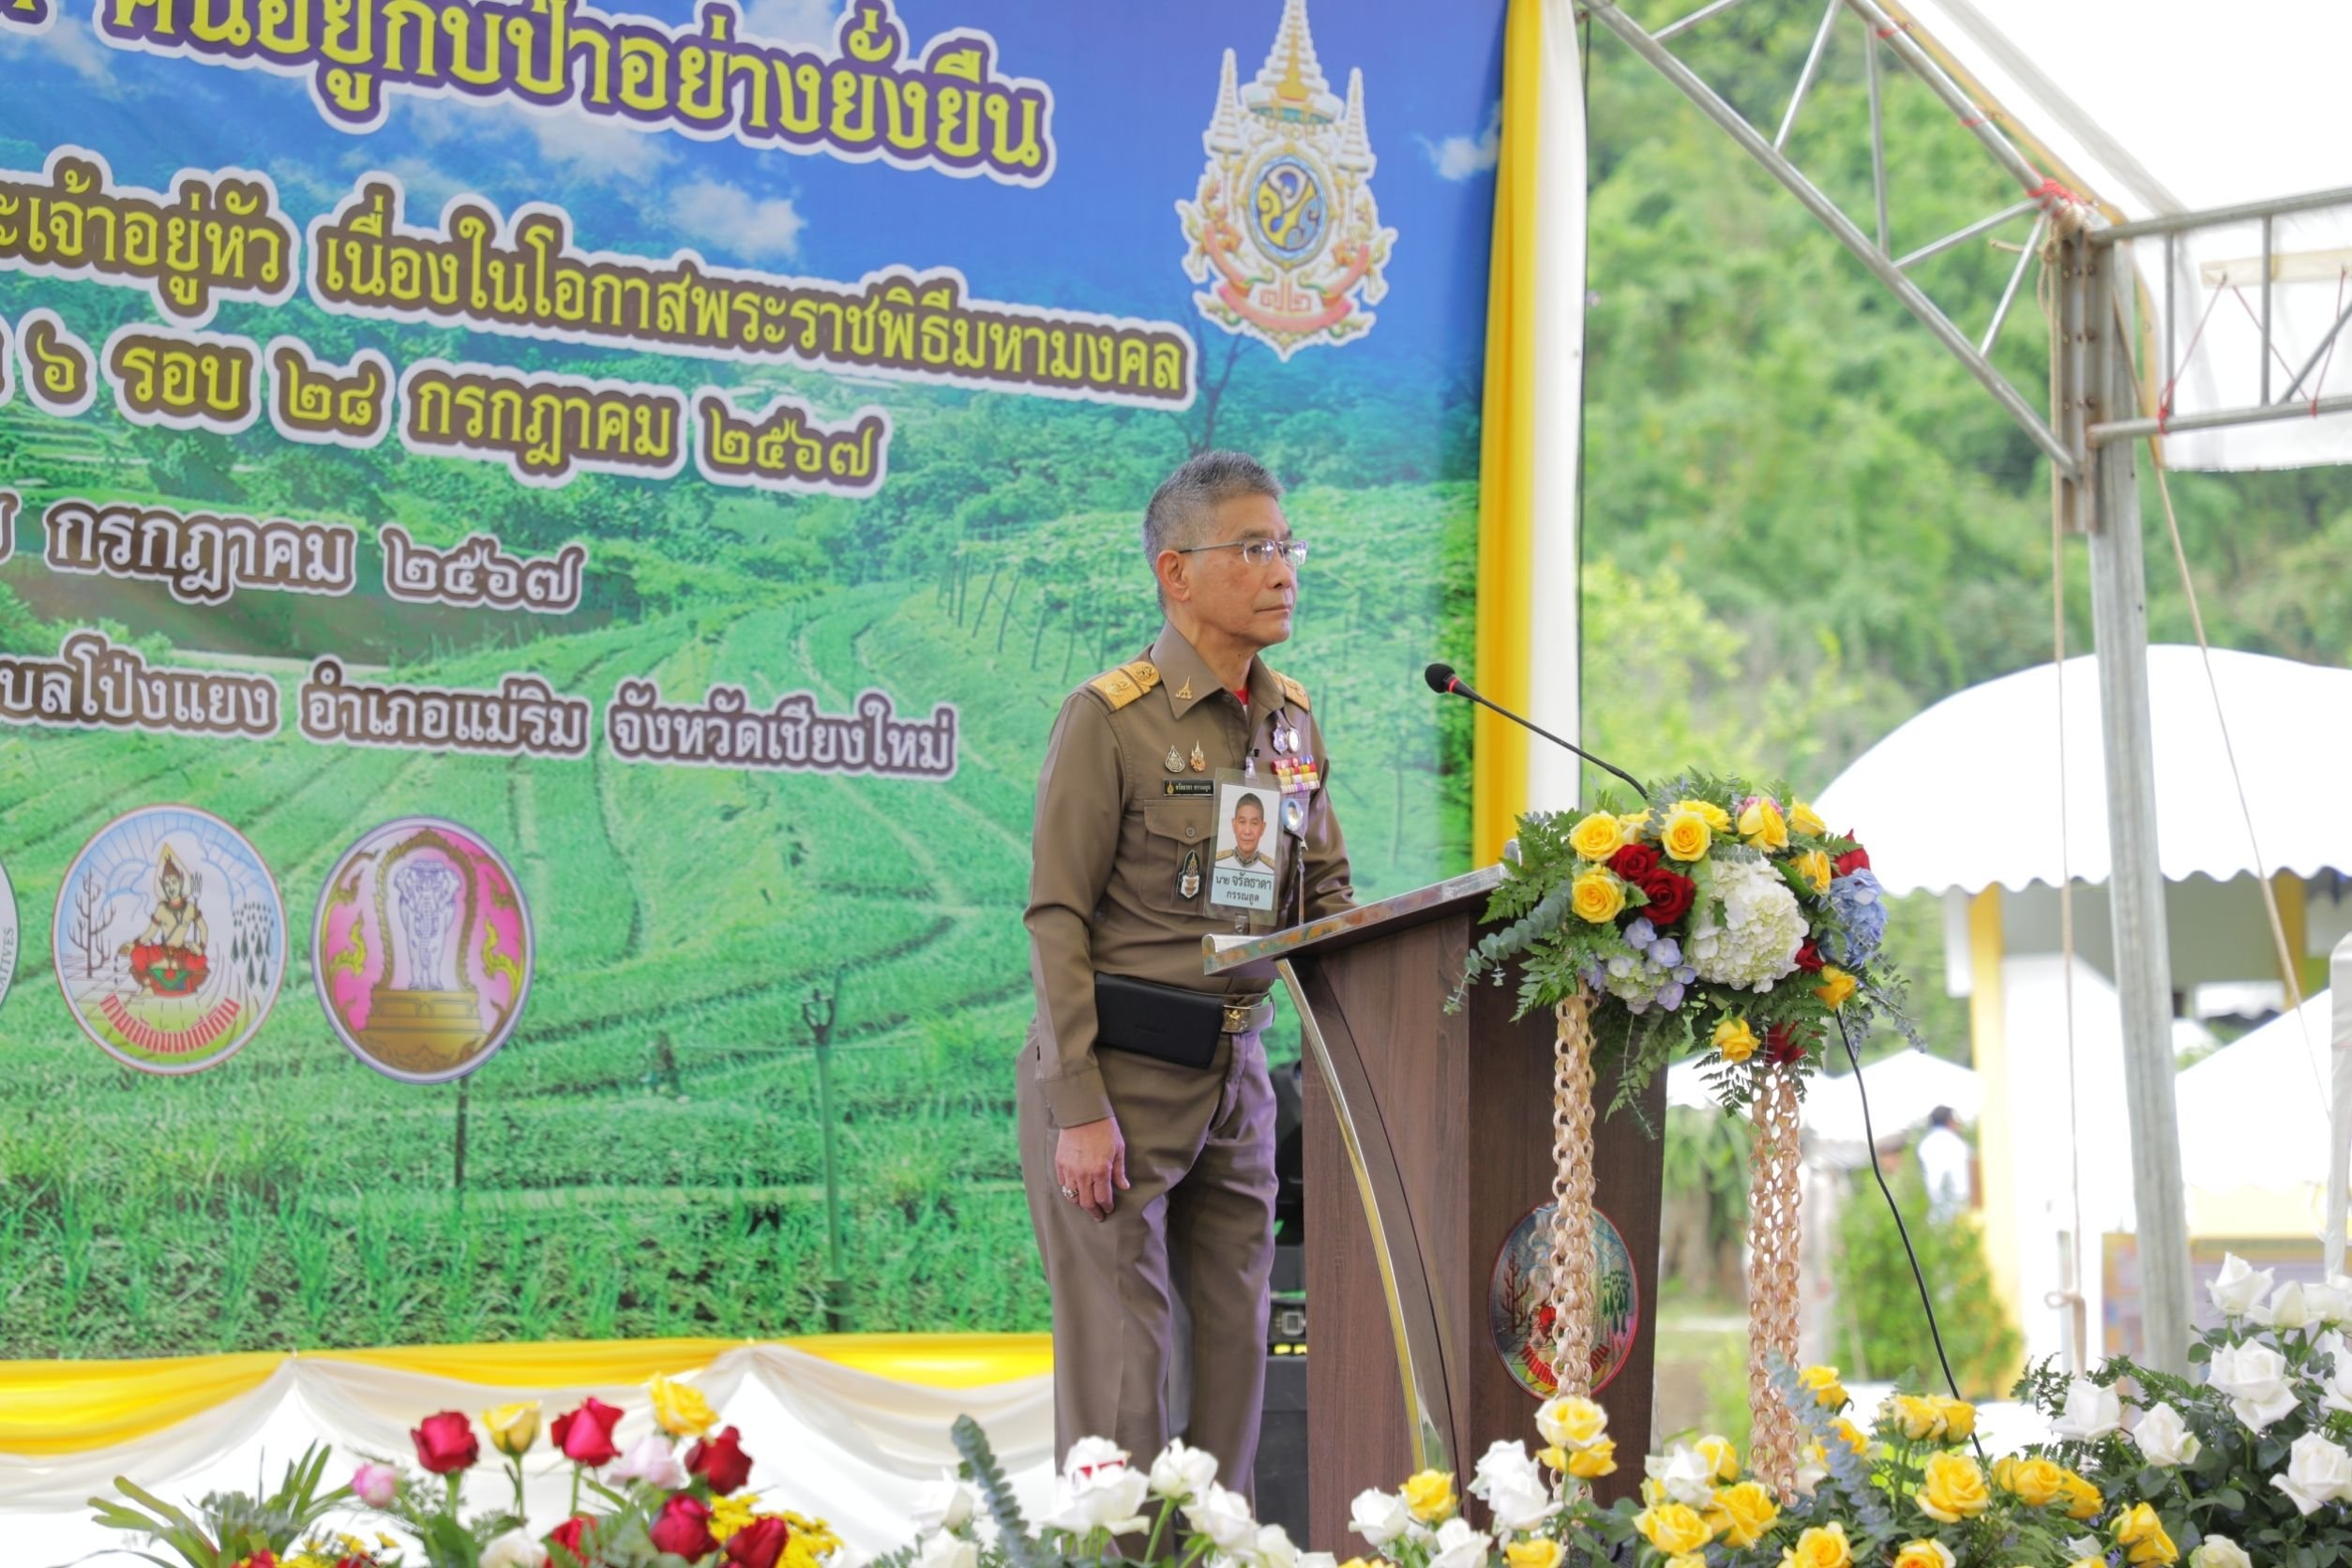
[(1170, 1023)]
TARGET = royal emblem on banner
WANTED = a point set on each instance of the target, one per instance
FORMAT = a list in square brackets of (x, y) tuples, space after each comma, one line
[(1284, 228)]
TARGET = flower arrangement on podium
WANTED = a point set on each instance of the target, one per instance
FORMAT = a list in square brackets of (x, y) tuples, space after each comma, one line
[(1713, 919)]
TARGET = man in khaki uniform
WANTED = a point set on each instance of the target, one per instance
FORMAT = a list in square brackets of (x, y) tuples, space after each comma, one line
[(1149, 1180)]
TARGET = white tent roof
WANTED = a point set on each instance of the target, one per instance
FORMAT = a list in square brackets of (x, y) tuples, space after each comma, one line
[(1961, 795), (2167, 107), (1902, 1089), (2255, 1114)]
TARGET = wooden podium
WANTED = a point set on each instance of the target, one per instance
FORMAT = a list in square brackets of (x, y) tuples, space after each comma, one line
[(1428, 1144)]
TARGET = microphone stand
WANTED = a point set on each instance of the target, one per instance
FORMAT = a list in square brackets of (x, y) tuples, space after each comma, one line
[(1456, 686)]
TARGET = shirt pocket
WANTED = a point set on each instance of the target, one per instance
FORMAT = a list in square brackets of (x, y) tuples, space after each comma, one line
[(1179, 837)]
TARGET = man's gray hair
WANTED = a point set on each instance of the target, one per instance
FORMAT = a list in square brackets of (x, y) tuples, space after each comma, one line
[(1180, 508)]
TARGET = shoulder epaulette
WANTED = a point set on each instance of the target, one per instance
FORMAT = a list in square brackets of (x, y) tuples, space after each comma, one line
[(1292, 690), (1123, 685)]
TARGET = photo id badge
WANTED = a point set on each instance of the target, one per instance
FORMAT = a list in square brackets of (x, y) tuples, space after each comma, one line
[(1248, 868)]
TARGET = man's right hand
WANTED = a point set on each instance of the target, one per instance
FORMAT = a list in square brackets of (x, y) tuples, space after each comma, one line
[(1091, 1160)]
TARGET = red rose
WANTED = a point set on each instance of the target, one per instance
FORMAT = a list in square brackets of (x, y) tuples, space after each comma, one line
[(1633, 861), (1853, 860), (444, 1443), (759, 1544), (1785, 1046), (1669, 894), (585, 1435), (684, 1528), (577, 1536), (265, 1558), (1809, 957), (720, 1461)]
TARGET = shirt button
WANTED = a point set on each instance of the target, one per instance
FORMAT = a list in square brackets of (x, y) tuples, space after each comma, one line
[(1192, 833)]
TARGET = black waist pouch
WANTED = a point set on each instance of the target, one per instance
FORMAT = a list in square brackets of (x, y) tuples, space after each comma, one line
[(1167, 1022)]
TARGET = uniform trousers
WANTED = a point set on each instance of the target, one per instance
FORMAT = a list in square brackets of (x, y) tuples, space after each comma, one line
[(1195, 1225)]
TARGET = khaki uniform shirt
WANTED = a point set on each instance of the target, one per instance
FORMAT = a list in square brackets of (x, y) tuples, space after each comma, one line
[(1113, 832)]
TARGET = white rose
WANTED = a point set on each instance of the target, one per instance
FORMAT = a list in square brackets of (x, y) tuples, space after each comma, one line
[(652, 1461), (2328, 1304), (1222, 1515), (1520, 1502), (943, 1550), (946, 1503), (1274, 1549), (516, 1548), (1686, 1477), (1092, 1453), (1460, 1547), (1317, 1560), (1107, 1497), (2165, 1438), (2318, 1472), (1503, 1462), (2081, 1546), (1181, 1471), (1379, 1517), (2255, 1378), (2218, 1551), (2091, 1412), (2239, 1288), (1812, 1469), (2286, 1311), (2335, 1389)]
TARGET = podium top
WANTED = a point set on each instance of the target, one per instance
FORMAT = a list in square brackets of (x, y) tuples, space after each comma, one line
[(1248, 957)]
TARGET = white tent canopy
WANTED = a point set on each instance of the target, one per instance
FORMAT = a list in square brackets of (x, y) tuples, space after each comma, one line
[(1960, 796), (1904, 1088), (2167, 107), (2254, 1114)]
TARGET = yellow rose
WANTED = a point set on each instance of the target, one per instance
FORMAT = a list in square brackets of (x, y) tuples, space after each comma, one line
[(1742, 1514), (2142, 1534), (1532, 1554), (1828, 1392), (1835, 987), (1762, 825), (1571, 1423), (1597, 838), (1803, 819), (1429, 1495), (1959, 1415), (1735, 1039), (1854, 1438), (513, 1427), (1924, 1554), (1685, 836), (2083, 1500), (1716, 817), (1597, 896), (1632, 826), (1673, 1528), (1718, 1452), (1553, 1458), (1822, 1546), (1688, 1559), (2035, 1482), (1916, 1414), (680, 1410), (1953, 1491), (1813, 866), (1593, 1460)]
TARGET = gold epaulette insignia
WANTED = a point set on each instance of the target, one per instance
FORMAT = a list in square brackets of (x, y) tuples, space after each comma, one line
[(1123, 685), (1292, 690)]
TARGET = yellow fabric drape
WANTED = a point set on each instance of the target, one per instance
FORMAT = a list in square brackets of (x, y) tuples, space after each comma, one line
[(71, 1406), (1506, 501)]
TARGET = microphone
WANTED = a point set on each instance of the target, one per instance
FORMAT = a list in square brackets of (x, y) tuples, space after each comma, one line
[(1445, 683)]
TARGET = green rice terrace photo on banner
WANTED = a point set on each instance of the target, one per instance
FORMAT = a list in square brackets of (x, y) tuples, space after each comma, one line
[(539, 548)]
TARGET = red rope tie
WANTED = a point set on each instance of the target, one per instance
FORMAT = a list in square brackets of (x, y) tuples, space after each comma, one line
[(1898, 27), (2050, 192)]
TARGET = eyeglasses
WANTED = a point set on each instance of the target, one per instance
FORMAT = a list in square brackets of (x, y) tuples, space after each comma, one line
[(1260, 552)]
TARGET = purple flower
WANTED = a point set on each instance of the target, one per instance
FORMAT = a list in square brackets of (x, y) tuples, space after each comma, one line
[(1666, 953), (1671, 995), (1640, 934)]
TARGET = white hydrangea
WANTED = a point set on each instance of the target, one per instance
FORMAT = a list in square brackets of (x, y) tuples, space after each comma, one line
[(1747, 928)]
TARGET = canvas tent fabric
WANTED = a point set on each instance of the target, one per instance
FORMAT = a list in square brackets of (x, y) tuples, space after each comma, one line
[(2167, 107), (1961, 795), (2254, 1114)]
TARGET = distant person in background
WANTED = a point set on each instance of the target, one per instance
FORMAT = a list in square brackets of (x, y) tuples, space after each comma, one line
[(1943, 1160)]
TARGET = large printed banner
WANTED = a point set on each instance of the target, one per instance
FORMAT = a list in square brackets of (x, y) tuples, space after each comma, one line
[(539, 547)]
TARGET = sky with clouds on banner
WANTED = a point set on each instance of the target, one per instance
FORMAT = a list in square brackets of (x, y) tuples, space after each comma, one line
[(1134, 87)]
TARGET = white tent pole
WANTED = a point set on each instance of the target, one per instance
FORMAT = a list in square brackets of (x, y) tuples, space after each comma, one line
[(2135, 889), (2340, 1122)]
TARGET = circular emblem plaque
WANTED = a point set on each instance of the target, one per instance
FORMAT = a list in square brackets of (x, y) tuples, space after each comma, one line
[(169, 940), (1522, 1324), (422, 950), (1290, 210), (8, 933)]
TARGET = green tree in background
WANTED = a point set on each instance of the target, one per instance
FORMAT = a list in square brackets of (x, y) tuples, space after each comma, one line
[(1876, 1327)]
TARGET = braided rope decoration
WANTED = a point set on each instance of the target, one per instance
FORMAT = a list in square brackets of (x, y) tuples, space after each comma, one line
[(1772, 1240), (1571, 1297)]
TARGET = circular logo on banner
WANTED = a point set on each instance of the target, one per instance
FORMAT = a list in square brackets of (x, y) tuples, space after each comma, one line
[(422, 950), (8, 933), (1522, 1323), (1289, 213), (169, 940)]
